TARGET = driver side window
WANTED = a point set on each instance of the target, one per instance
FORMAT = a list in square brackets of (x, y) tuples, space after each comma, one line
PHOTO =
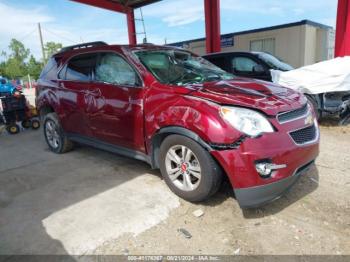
[(113, 69), (243, 64)]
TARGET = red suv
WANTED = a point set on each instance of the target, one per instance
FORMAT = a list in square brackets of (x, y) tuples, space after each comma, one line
[(180, 113)]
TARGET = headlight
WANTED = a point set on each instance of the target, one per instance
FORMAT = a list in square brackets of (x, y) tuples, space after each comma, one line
[(247, 121)]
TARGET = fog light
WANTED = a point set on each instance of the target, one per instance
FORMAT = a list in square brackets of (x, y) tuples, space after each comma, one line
[(265, 169)]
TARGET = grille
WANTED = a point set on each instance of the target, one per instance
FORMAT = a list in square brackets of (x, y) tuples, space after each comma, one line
[(305, 135), (291, 115)]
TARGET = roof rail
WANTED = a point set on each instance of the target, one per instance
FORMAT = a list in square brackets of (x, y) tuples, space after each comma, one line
[(83, 45)]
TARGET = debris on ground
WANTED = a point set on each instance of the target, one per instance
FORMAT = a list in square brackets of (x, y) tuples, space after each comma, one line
[(185, 232), (198, 213)]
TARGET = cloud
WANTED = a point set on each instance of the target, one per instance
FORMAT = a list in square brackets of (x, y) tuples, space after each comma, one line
[(176, 13), (276, 7), (183, 12), (21, 23)]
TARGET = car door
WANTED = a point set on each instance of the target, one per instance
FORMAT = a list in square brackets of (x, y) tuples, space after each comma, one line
[(247, 66), (74, 81), (116, 116)]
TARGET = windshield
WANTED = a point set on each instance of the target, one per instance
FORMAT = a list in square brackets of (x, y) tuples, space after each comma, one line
[(274, 62), (180, 67)]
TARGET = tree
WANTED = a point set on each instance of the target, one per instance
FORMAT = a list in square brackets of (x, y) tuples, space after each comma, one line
[(15, 66), (18, 51), (51, 48), (14, 69), (34, 67)]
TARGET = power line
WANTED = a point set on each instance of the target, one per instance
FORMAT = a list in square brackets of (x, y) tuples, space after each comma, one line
[(27, 35), (59, 36), (21, 39)]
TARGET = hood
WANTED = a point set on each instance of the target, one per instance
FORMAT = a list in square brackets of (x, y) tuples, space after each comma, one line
[(260, 95)]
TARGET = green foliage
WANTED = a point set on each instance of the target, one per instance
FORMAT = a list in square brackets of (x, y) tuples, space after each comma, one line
[(51, 48), (18, 51), (34, 67), (18, 63)]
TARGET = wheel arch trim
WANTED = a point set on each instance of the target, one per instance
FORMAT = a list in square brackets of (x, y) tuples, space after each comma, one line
[(172, 130)]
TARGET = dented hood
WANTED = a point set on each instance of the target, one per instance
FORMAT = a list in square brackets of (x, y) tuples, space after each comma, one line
[(264, 96)]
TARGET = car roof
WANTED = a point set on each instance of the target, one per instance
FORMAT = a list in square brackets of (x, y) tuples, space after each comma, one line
[(99, 46), (234, 52)]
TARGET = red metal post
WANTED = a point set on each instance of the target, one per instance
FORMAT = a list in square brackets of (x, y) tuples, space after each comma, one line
[(212, 25), (342, 39), (131, 27)]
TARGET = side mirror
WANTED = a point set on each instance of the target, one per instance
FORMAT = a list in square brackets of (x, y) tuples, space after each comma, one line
[(258, 69)]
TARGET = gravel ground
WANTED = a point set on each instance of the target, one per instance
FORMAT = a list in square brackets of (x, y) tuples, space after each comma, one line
[(313, 218), (38, 191)]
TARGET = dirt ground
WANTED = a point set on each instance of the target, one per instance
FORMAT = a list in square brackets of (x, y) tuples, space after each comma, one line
[(53, 204)]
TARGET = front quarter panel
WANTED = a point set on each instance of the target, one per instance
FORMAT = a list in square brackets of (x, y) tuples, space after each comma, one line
[(167, 107)]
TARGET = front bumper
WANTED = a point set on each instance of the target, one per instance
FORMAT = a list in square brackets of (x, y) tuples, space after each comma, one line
[(257, 196), (250, 188)]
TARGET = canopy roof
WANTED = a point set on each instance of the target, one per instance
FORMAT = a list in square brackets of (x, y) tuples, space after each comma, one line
[(118, 5)]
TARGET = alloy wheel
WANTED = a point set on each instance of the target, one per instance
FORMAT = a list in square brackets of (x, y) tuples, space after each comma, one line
[(183, 168), (51, 132)]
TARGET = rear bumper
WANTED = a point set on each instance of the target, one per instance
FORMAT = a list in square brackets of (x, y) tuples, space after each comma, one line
[(257, 196)]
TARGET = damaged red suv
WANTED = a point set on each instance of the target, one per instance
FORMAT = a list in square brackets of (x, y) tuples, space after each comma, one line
[(181, 114)]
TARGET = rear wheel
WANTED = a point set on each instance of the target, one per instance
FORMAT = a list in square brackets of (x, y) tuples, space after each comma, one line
[(13, 129), (35, 124), (54, 135), (188, 169), (25, 124)]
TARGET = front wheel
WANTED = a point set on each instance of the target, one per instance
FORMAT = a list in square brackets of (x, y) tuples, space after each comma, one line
[(188, 169), (54, 135)]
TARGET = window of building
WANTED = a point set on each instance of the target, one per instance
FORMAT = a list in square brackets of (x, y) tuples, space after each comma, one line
[(263, 45)]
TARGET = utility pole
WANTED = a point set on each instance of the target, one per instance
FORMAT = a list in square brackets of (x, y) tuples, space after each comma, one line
[(42, 43)]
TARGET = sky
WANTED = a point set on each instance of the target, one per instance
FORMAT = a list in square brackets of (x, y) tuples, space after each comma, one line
[(70, 23)]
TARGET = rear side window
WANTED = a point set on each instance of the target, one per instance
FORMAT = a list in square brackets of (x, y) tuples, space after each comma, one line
[(50, 70), (79, 68), (243, 64)]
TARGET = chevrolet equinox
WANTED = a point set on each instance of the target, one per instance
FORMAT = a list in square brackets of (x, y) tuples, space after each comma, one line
[(181, 114)]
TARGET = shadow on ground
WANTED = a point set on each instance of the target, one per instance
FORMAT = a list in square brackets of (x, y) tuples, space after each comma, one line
[(35, 184), (307, 183)]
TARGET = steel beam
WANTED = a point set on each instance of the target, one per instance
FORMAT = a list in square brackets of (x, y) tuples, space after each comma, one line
[(342, 39), (130, 17), (105, 4), (212, 25)]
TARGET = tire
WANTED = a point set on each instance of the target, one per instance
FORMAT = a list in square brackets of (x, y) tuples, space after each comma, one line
[(13, 129), (206, 181), (315, 106), (35, 124), (26, 124), (54, 135)]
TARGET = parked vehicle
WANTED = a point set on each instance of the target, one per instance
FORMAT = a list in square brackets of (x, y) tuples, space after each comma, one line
[(180, 113), (326, 84), (260, 65), (248, 64), (6, 88)]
